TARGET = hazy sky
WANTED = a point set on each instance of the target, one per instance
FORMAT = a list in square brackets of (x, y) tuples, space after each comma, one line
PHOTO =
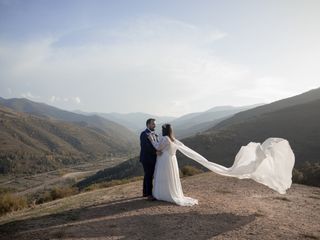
[(161, 57)]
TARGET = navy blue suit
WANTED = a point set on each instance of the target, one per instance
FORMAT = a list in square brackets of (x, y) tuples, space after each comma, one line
[(148, 157)]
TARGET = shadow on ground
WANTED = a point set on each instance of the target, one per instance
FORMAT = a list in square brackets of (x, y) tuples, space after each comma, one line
[(100, 222)]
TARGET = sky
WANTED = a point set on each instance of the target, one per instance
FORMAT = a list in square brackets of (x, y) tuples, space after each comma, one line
[(160, 57)]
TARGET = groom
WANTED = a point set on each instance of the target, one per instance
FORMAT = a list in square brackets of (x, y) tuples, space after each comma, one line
[(148, 157)]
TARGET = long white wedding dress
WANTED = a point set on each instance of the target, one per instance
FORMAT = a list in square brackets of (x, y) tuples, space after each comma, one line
[(270, 163)]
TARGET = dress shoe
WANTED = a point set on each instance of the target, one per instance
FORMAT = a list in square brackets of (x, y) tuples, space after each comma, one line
[(151, 198)]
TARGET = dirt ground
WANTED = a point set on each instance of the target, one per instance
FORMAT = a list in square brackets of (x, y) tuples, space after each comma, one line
[(228, 208)]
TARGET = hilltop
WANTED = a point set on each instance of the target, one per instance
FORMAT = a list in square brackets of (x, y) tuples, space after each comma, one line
[(228, 208)]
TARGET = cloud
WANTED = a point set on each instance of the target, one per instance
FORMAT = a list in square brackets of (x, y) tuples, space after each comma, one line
[(77, 100), (29, 95), (151, 64), (55, 99), (52, 99), (269, 88), (9, 91), (163, 30)]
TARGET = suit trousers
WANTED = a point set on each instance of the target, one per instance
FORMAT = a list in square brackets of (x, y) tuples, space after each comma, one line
[(148, 167)]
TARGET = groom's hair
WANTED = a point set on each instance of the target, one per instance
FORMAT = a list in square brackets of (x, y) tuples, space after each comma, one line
[(149, 121)]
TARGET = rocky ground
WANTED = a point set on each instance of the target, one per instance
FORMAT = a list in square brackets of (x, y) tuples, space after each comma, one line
[(228, 209)]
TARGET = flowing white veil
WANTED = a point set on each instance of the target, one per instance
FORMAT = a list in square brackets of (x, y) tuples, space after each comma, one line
[(270, 163)]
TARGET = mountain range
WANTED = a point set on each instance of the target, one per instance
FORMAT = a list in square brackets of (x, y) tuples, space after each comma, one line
[(195, 123), (46, 111), (134, 121), (36, 137), (40, 137), (184, 126), (296, 119)]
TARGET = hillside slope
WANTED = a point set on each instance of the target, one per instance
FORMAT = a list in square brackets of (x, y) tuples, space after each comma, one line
[(193, 123), (30, 144), (304, 98), (299, 124), (228, 208), (118, 132)]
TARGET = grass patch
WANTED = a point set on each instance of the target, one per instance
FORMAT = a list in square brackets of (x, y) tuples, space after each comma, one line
[(10, 202), (56, 193), (111, 183), (190, 171)]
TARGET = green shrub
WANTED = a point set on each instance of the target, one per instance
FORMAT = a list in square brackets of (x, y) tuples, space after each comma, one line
[(190, 170), (308, 174), (297, 176), (56, 193), (63, 192)]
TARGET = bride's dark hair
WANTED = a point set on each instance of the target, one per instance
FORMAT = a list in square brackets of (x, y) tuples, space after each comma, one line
[(167, 131)]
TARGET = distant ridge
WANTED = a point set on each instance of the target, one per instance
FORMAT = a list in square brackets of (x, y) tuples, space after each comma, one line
[(195, 123), (296, 119), (32, 144), (117, 131)]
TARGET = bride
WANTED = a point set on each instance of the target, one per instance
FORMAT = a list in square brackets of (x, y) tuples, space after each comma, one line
[(270, 163)]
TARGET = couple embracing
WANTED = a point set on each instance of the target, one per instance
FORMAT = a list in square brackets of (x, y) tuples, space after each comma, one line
[(269, 163)]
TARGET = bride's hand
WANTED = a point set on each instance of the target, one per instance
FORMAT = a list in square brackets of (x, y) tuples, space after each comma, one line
[(159, 153)]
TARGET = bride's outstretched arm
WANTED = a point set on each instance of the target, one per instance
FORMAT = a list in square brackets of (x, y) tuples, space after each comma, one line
[(163, 142)]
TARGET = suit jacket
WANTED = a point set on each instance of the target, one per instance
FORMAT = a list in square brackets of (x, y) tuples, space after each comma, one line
[(147, 153)]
